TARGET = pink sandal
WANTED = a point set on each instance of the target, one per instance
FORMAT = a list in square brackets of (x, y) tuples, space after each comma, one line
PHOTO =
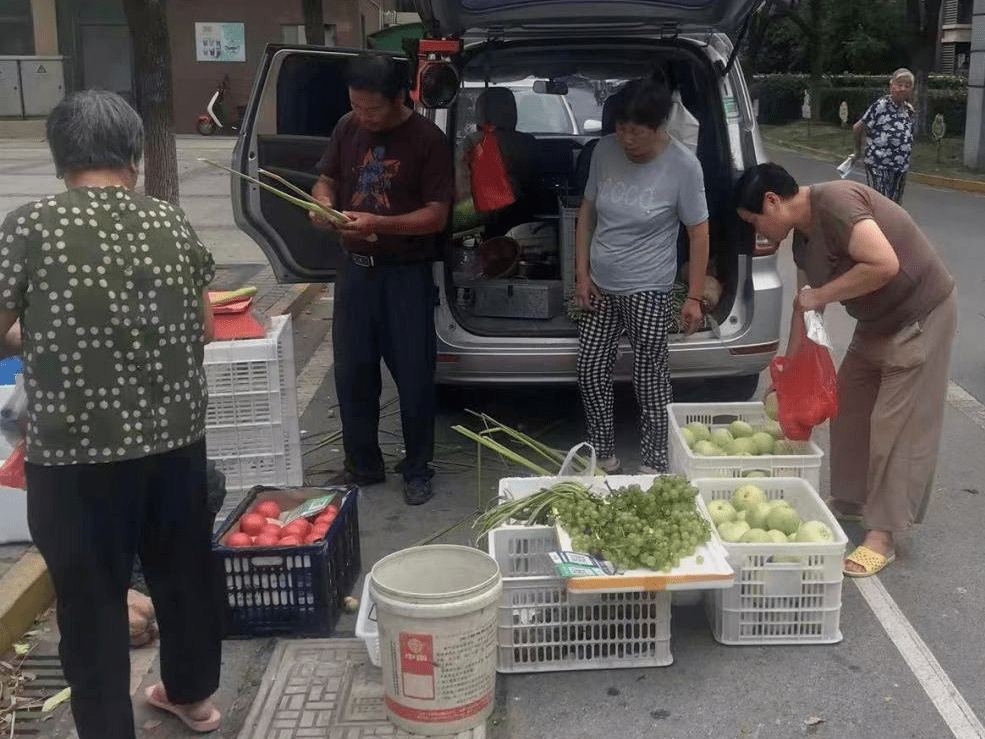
[(203, 726)]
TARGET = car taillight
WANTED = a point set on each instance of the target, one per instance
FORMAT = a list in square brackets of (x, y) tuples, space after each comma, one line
[(764, 247)]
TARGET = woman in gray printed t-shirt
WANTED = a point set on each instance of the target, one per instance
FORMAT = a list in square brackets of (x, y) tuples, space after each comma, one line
[(642, 184)]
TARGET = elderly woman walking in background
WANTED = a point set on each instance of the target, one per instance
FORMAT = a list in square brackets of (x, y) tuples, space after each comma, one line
[(109, 287), (887, 125)]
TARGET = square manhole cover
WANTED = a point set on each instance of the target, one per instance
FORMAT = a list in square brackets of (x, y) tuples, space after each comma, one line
[(324, 688)]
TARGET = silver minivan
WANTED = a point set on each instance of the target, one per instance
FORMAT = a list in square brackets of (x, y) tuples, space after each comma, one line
[(506, 321)]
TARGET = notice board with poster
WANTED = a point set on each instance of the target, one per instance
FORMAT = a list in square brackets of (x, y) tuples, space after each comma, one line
[(220, 42)]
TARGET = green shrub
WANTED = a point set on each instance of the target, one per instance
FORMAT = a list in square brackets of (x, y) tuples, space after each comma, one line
[(950, 103), (781, 96)]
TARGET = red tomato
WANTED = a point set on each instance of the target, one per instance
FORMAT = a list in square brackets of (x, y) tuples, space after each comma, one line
[(313, 537), (239, 539), (320, 528), (266, 540), (252, 524), (271, 530), (289, 541), (299, 528), (333, 508), (267, 509), (325, 518)]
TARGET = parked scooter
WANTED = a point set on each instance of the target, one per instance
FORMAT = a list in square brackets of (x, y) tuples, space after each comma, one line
[(215, 116)]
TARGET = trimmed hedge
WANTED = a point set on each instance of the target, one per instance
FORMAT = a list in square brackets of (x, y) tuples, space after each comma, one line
[(781, 96)]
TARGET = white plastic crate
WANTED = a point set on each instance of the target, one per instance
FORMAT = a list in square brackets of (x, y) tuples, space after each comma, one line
[(779, 602), (251, 424), (544, 628), (806, 464), (367, 628)]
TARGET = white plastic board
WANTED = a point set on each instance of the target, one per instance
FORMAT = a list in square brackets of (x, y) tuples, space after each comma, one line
[(714, 570)]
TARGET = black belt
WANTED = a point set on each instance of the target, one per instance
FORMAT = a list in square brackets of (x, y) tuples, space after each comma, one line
[(377, 260)]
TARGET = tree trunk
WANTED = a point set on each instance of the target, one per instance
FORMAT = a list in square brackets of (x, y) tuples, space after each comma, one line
[(757, 34), (923, 17), (148, 23), (314, 22), (815, 47)]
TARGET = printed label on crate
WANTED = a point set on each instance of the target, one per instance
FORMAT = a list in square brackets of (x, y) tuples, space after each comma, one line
[(575, 564), (310, 507)]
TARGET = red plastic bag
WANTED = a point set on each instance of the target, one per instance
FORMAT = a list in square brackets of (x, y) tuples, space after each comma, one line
[(806, 387), (12, 471), (491, 189)]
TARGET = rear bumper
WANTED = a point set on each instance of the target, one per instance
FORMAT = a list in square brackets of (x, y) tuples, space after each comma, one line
[(467, 359)]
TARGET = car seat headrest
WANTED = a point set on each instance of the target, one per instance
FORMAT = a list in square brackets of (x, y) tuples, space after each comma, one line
[(496, 105), (609, 108)]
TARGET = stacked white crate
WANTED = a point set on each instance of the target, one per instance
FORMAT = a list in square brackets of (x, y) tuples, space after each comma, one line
[(251, 424), (784, 593), (543, 627)]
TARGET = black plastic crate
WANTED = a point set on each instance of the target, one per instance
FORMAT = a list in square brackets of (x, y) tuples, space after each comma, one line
[(296, 591)]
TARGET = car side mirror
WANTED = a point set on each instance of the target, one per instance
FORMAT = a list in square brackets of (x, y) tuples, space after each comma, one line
[(592, 125)]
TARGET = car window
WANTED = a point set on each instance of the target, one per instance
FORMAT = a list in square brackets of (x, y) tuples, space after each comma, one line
[(537, 113), (541, 113)]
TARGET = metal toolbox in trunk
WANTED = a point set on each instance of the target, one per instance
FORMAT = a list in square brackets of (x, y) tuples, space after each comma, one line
[(519, 298)]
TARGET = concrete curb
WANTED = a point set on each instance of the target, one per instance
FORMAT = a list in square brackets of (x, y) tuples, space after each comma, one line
[(951, 183), (25, 591), (26, 588)]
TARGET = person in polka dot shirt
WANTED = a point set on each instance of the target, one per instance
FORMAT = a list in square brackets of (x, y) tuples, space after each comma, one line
[(107, 288)]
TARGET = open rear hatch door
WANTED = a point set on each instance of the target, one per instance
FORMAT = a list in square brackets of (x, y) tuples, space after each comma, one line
[(524, 17), (299, 94)]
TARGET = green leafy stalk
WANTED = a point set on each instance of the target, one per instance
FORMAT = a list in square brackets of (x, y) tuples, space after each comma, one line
[(500, 449), (307, 202)]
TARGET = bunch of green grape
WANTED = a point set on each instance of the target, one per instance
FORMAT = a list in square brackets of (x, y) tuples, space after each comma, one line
[(635, 528)]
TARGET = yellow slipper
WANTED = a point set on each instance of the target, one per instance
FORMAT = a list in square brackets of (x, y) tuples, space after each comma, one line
[(870, 561)]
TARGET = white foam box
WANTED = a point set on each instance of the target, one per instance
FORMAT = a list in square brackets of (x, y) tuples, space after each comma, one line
[(13, 502), (786, 593)]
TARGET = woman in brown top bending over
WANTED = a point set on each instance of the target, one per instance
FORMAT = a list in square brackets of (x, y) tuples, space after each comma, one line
[(857, 247)]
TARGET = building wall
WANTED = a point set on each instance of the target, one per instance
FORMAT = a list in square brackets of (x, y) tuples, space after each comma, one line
[(194, 81)]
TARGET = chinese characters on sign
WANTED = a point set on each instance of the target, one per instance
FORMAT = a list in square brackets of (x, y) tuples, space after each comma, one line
[(220, 42)]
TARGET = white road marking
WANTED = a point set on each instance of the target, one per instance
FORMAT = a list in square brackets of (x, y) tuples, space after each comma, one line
[(965, 402), (953, 708)]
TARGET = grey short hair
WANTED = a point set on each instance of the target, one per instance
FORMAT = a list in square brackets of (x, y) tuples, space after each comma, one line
[(903, 72), (94, 129)]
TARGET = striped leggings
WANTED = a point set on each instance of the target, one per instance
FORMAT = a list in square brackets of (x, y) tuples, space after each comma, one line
[(888, 182), (645, 317)]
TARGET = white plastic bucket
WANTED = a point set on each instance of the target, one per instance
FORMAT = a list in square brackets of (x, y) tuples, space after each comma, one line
[(436, 610)]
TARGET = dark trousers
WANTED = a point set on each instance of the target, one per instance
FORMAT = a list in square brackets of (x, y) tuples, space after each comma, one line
[(88, 521), (385, 312)]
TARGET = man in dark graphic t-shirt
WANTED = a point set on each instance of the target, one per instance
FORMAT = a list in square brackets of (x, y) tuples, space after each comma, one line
[(389, 170)]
